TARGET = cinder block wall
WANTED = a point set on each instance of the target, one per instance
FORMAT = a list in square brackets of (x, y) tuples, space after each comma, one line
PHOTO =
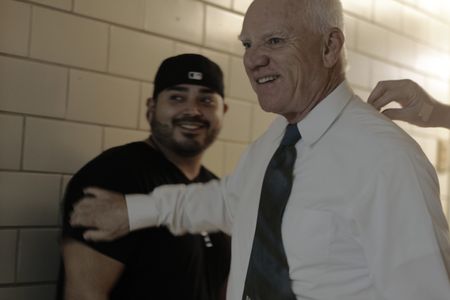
[(394, 39), (74, 76)]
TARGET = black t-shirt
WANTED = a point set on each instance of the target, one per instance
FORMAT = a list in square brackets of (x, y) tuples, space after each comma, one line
[(158, 265)]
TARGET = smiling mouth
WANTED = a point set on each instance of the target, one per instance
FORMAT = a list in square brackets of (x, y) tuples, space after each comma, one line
[(267, 79), (191, 126)]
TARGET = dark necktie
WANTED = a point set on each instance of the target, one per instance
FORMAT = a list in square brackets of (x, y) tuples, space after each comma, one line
[(268, 270)]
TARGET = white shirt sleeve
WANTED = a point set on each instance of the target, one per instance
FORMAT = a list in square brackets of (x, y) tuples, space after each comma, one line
[(402, 229), (142, 211), (184, 208)]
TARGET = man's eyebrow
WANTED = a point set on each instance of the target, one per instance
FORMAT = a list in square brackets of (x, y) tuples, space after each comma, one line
[(177, 89), (242, 37), (273, 33), (207, 90)]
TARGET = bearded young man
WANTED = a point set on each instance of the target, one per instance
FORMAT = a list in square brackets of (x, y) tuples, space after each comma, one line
[(185, 115)]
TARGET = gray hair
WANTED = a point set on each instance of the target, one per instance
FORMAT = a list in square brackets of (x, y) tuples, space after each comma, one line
[(322, 15)]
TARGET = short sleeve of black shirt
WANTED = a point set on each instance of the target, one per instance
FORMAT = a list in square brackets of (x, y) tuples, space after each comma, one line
[(125, 169)]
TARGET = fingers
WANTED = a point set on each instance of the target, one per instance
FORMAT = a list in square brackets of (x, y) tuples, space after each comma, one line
[(83, 211), (81, 216), (400, 91), (384, 93), (103, 212), (98, 235), (401, 114), (377, 92), (382, 101), (393, 113)]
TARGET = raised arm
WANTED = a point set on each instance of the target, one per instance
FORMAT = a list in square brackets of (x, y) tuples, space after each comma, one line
[(89, 275), (417, 106)]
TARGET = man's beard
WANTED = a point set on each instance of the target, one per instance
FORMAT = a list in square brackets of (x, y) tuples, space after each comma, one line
[(164, 135)]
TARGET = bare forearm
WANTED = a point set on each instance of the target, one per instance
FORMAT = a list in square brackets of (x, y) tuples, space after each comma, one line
[(89, 275), (72, 292)]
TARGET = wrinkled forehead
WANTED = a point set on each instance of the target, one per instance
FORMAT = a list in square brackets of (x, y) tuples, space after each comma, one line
[(271, 15)]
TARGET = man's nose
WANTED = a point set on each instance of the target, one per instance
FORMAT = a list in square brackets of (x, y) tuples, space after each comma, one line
[(192, 108), (255, 58)]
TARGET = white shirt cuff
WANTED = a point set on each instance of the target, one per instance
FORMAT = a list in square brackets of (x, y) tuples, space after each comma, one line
[(142, 211)]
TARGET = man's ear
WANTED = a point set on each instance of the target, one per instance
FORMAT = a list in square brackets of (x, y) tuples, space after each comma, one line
[(225, 107), (151, 104), (332, 47)]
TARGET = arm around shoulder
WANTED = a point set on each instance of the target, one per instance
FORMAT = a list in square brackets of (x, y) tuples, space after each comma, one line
[(184, 208)]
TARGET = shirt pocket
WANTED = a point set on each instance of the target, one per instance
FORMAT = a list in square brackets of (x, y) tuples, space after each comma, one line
[(307, 237)]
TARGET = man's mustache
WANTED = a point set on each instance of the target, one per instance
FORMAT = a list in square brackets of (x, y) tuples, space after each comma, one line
[(193, 119)]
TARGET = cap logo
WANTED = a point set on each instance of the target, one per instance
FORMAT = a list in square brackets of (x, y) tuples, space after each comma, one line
[(195, 75)]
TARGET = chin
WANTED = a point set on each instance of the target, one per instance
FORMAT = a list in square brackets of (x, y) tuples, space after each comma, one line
[(264, 103), (195, 142), (269, 106), (189, 149)]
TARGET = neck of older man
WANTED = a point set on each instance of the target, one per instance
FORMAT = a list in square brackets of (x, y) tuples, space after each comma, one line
[(333, 79)]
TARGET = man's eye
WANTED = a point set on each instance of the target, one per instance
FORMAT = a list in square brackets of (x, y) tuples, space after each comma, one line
[(246, 44), (274, 41), (176, 98), (207, 100)]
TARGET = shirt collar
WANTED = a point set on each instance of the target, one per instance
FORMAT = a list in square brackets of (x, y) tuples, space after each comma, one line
[(317, 122)]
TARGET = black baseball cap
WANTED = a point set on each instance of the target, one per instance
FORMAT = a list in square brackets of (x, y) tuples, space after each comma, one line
[(188, 69)]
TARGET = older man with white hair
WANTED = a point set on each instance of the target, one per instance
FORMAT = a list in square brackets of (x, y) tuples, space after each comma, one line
[(332, 202)]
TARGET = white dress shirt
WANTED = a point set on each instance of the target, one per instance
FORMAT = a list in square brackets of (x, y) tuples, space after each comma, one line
[(363, 221)]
